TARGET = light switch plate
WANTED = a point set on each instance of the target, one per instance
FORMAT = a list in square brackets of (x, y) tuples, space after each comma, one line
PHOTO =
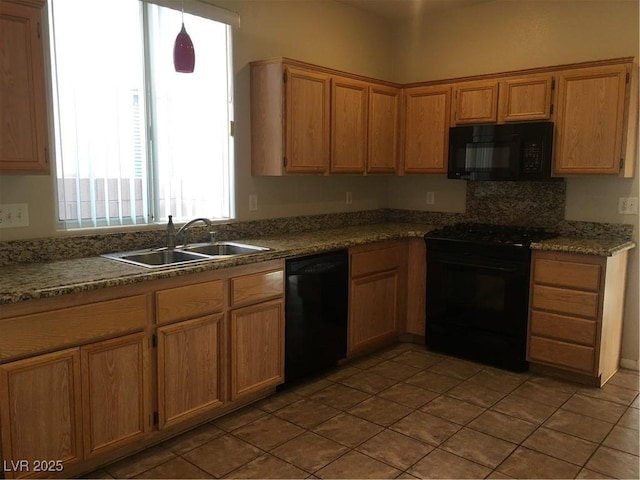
[(14, 215)]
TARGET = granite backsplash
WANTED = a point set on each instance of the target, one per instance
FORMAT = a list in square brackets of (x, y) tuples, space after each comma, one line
[(539, 204)]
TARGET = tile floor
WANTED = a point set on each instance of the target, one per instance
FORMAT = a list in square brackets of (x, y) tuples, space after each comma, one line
[(406, 413)]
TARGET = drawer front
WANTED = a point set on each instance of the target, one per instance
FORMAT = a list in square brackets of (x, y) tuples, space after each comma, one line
[(190, 301), (39, 332), (583, 276), (379, 260), (565, 301), (256, 287), (564, 354), (562, 327)]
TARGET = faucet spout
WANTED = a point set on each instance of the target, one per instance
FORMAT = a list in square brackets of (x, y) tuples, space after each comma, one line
[(184, 228)]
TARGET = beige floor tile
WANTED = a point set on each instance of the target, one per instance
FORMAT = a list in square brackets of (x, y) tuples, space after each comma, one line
[(395, 449), (381, 411), (340, 396), (475, 393), (418, 359), (625, 439), (426, 428), (307, 413), (309, 388), (408, 395), (626, 378), (368, 382), (539, 392), (102, 473), (556, 383), (561, 445), (611, 393), (525, 463), (222, 455), (588, 428), (268, 432), (630, 419), (585, 473), (239, 418), (479, 447), (394, 370), (347, 429), (194, 438), (279, 400), (140, 462), (357, 465), (341, 373), (405, 475), (594, 407), (503, 426), (498, 380), (433, 381), (366, 362), (524, 408), (636, 402), (460, 369), (441, 464), (267, 466), (453, 409), (614, 463), (497, 474), (175, 468), (310, 451), (397, 349)]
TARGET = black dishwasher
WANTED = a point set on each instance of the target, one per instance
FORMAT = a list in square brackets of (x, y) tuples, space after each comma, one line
[(317, 291)]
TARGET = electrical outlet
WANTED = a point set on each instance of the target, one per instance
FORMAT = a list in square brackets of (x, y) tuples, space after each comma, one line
[(14, 215), (253, 202), (349, 198), (628, 205), (431, 198)]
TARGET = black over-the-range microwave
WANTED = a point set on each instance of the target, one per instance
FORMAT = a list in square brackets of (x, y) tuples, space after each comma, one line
[(518, 151)]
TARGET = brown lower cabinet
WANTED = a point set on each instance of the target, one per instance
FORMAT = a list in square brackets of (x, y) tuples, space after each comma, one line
[(575, 319), (91, 377)]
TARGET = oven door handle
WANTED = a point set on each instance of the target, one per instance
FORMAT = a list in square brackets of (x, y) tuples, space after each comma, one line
[(505, 269)]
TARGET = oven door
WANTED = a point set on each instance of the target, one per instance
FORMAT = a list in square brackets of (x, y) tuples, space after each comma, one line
[(477, 303)]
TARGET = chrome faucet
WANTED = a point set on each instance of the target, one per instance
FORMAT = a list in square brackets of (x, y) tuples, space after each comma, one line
[(183, 229)]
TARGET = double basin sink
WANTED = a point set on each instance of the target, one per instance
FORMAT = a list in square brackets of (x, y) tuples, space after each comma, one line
[(198, 252)]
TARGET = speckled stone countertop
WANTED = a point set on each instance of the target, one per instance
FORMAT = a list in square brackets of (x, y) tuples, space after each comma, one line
[(24, 282), (49, 279)]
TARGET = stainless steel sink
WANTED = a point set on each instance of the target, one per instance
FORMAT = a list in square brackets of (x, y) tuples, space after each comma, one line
[(224, 248), (163, 257)]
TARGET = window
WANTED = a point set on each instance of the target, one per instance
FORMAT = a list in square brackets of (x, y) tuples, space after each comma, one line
[(136, 141)]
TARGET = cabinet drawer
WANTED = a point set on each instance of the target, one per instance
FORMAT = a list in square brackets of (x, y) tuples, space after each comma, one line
[(373, 261), (583, 276), (564, 354), (256, 287), (562, 327), (40, 332), (190, 301), (562, 300)]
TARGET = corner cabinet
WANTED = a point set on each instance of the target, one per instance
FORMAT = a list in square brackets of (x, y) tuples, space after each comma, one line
[(575, 319), (23, 109), (591, 119), (376, 295)]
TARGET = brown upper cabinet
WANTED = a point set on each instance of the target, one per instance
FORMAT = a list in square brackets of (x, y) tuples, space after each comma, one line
[(525, 98), (590, 120), (23, 136), (308, 119), (426, 129), (475, 102)]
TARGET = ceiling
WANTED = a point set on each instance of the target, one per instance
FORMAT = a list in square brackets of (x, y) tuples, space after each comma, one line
[(398, 9)]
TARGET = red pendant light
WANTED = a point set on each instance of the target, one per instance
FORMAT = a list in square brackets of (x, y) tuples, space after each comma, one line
[(184, 56)]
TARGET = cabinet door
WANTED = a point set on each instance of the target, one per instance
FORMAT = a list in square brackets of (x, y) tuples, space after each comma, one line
[(190, 365), (373, 309), (114, 392), (589, 120), (348, 125), (307, 104), (526, 98), (476, 102), (426, 129), (40, 410), (257, 348), (23, 109), (384, 124)]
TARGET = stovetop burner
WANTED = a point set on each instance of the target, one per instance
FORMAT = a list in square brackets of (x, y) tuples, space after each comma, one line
[(491, 234)]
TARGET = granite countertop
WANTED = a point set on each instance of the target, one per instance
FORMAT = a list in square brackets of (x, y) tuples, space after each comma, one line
[(24, 282)]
